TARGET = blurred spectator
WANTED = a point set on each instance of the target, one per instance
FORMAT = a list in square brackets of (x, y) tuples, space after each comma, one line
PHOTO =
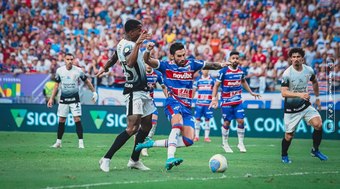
[(118, 75)]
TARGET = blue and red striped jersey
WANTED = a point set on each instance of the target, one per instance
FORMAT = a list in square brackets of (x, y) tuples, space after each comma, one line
[(231, 86), (152, 78), (179, 80), (204, 88)]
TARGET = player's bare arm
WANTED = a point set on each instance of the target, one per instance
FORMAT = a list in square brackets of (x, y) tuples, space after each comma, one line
[(316, 93), (132, 58), (154, 63), (54, 92), (165, 91), (247, 88), (285, 92), (113, 60), (95, 95), (215, 65), (214, 101)]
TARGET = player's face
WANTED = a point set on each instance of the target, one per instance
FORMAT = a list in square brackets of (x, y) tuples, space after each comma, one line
[(234, 59), (134, 34), (68, 61), (205, 73), (296, 59), (179, 57)]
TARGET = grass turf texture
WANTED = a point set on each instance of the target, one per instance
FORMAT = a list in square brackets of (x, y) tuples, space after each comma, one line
[(28, 161)]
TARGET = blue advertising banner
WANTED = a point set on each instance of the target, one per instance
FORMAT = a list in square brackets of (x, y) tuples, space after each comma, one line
[(22, 84), (112, 119)]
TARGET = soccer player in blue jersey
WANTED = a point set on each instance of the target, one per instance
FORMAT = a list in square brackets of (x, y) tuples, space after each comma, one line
[(232, 79), (178, 78), (203, 85), (153, 77)]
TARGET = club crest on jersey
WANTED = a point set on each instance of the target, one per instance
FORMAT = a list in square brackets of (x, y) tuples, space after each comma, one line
[(127, 50)]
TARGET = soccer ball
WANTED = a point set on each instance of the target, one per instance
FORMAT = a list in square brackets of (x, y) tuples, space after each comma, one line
[(218, 163)]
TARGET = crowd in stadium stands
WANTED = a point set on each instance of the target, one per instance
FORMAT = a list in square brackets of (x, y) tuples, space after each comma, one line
[(35, 33)]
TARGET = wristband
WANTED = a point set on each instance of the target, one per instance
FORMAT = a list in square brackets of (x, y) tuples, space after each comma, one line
[(317, 98)]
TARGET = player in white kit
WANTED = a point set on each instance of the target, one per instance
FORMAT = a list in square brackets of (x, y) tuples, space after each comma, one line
[(67, 78), (297, 106)]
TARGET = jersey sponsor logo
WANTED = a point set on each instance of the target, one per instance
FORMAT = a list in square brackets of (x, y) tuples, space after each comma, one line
[(182, 93), (232, 83), (179, 75), (231, 94)]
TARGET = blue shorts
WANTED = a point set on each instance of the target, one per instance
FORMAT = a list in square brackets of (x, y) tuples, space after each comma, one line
[(173, 107), (203, 111), (232, 112)]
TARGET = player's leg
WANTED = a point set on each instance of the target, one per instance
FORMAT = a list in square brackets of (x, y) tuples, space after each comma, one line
[(134, 114), (291, 120), (198, 115), (146, 124), (144, 151), (239, 115), (62, 113), (76, 112), (208, 114), (313, 118), (227, 115)]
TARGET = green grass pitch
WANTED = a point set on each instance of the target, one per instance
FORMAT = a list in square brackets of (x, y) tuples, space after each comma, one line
[(27, 161)]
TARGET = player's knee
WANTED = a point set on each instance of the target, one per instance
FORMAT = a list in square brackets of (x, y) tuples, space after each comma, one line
[(76, 119), (289, 136), (131, 130), (187, 141)]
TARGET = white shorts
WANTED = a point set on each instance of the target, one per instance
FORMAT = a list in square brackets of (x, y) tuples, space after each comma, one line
[(139, 103), (64, 109), (292, 120)]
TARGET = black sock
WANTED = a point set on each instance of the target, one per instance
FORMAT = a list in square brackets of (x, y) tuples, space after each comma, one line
[(79, 129), (317, 137), (140, 137), (284, 147), (117, 144), (61, 130)]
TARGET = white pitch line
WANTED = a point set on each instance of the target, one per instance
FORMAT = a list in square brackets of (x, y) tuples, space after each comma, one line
[(192, 179)]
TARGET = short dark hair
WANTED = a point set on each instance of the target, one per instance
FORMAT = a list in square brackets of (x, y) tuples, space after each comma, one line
[(175, 47), (69, 54), (234, 53), (131, 25), (296, 50)]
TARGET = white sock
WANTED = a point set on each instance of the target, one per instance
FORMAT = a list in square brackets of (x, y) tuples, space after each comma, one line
[(172, 141), (240, 134), (152, 131), (207, 129), (59, 141), (197, 128), (81, 141), (164, 143), (225, 135), (161, 143)]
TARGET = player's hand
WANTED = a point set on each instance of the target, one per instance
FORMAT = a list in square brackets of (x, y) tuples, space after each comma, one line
[(305, 96), (100, 72), (213, 104), (50, 103), (257, 96), (225, 64), (94, 97), (143, 36), (318, 104), (150, 46)]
